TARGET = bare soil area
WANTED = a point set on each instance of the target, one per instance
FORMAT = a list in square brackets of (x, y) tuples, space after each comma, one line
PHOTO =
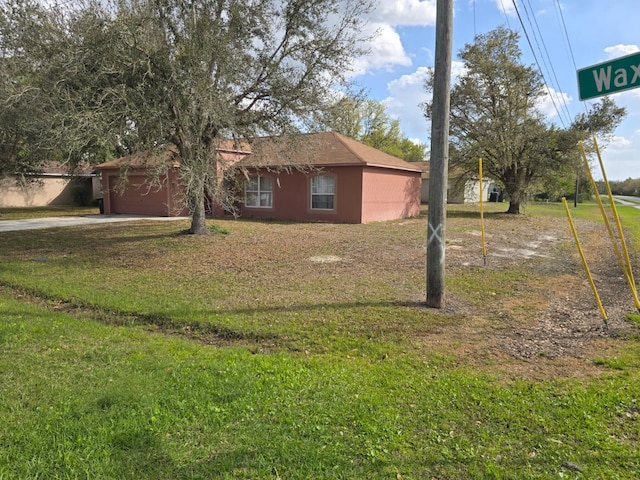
[(551, 325)]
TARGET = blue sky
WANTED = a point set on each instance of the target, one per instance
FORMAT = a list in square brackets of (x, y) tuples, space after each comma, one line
[(597, 30)]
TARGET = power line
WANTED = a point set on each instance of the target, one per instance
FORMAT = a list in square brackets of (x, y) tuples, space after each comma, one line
[(568, 42), (524, 29), (504, 10), (549, 65), (475, 33)]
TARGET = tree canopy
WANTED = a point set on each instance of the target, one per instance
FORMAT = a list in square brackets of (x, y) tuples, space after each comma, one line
[(141, 74), (629, 187), (368, 122), (26, 136), (494, 116)]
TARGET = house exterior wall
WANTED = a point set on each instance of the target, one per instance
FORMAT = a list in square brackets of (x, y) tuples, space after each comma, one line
[(54, 190), (139, 197), (292, 197), (472, 191), (390, 194), (456, 189), (424, 190)]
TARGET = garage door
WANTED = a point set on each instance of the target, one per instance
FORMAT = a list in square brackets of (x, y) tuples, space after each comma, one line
[(138, 198)]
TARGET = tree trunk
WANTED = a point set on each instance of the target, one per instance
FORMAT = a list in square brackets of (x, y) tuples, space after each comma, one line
[(514, 207), (198, 220)]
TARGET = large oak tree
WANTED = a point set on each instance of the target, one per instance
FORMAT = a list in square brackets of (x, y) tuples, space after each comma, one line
[(147, 73), (494, 116)]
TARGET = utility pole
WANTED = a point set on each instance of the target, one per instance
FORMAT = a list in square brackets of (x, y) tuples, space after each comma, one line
[(439, 161)]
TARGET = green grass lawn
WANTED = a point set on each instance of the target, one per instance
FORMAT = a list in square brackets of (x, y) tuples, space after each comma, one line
[(40, 212), (132, 351)]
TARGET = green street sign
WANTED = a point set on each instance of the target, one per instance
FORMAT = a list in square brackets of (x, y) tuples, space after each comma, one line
[(609, 77)]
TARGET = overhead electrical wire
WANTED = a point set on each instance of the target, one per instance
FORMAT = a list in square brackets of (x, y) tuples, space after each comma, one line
[(504, 10), (524, 29), (566, 33), (475, 33), (568, 42), (548, 64)]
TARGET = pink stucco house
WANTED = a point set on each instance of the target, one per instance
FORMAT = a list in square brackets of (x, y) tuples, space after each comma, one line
[(314, 177), (328, 177)]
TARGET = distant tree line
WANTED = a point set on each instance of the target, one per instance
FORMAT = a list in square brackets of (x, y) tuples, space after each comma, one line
[(629, 187)]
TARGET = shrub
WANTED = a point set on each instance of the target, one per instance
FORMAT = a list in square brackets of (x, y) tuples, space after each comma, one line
[(80, 195)]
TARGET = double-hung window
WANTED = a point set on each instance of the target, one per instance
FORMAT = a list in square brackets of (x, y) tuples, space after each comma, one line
[(323, 192), (258, 192)]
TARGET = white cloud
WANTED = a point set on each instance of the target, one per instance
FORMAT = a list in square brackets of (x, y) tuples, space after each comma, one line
[(386, 51), (620, 143), (405, 96), (620, 159), (406, 12), (620, 50), (620, 156), (386, 48), (506, 6), (457, 69), (553, 101)]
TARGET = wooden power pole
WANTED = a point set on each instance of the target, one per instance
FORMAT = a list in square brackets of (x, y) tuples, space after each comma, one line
[(438, 172)]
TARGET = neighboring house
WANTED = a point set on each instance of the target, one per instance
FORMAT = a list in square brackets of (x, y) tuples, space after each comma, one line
[(460, 189), (54, 186), (312, 177)]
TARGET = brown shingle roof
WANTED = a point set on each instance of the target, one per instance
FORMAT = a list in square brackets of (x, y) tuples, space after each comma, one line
[(313, 149), (320, 149), (62, 169), (165, 156)]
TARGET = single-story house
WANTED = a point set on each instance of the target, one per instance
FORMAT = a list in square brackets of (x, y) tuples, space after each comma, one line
[(313, 177), (55, 185), (327, 177)]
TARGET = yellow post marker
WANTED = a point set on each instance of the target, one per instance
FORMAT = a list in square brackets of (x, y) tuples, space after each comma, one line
[(584, 262), (623, 243), (484, 245), (607, 223)]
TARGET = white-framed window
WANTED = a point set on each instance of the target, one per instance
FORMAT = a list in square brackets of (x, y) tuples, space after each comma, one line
[(258, 192), (323, 192)]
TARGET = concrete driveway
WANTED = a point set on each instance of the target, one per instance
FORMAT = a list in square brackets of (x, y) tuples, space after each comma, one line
[(54, 222)]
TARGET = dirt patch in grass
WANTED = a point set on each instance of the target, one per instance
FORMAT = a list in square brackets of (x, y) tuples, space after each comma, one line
[(549, 323)]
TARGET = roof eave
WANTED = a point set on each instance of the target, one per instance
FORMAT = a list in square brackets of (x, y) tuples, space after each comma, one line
[(394, 167)]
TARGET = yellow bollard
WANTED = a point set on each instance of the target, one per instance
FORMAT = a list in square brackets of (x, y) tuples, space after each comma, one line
[(605, 218), (484, 245), (625, 251), (584, 262)]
